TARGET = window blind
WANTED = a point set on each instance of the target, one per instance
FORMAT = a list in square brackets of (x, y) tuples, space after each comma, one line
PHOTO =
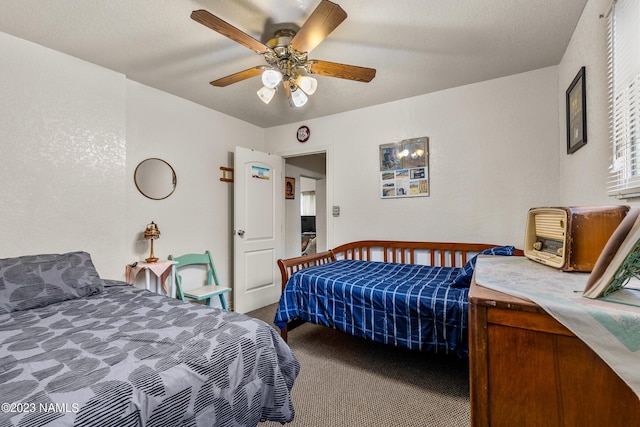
[(624, 98)]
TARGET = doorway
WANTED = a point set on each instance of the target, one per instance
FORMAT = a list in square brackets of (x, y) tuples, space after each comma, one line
[(306, 214), (308, 229)]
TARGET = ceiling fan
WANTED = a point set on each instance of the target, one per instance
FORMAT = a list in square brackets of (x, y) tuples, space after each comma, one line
[(287, 55)]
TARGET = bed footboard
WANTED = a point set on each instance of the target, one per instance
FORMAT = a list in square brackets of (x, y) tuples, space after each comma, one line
[(291, 265)]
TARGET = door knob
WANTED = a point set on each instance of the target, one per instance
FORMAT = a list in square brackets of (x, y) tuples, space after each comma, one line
[(240, 233)]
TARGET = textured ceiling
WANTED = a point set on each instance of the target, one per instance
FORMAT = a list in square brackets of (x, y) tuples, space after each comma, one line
[(417, 46)]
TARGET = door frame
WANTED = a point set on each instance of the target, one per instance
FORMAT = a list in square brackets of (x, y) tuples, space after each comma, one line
[(305, 151)]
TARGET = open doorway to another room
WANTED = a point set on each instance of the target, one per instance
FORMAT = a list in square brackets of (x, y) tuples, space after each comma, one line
[(305, 215), (308, 230)]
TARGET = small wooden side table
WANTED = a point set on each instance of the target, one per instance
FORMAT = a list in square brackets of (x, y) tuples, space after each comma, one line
[(161, 270)]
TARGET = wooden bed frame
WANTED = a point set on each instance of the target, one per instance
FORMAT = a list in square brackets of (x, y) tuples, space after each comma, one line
[(436, 254)]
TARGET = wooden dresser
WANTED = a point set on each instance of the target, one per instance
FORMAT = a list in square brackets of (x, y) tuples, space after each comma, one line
[(527, 369)]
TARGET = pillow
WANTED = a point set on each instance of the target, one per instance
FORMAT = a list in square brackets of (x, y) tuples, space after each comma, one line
[(39, 280), (463, 279)]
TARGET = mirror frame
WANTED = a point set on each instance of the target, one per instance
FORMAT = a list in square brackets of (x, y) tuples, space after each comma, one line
[(174, 179)]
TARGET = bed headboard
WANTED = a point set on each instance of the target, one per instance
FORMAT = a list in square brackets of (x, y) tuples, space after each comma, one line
[(428, 253)]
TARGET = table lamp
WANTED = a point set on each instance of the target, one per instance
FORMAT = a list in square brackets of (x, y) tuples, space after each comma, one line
[(151, 233)]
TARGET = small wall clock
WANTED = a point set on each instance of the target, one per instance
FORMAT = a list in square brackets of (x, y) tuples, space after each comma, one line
[(303, 133)]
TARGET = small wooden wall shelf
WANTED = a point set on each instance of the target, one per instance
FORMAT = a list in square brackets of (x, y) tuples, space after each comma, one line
[(227, 174)]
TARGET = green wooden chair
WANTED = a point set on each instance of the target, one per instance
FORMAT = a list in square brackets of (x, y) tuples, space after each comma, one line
[(210, 290)]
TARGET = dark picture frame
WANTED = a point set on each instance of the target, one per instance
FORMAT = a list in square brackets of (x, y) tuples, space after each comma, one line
[(577, 113), (289, 188)]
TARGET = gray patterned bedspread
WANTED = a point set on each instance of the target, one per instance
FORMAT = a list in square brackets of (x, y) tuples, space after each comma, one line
[(129, 357)]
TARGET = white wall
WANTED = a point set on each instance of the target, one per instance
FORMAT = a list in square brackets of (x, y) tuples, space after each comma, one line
[(195, 141), (71, 135), (584, 174), (493, 155), (62, 156)]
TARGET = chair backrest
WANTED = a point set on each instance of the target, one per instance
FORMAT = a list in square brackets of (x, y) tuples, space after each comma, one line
[(194, 260)]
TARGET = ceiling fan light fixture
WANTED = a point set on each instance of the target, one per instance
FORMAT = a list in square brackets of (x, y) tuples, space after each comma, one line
[(287, 55), (297, 98), (266, 94), (307, 84), (271, 78)]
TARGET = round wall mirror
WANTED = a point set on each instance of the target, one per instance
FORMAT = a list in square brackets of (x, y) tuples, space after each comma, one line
[(155, 178)]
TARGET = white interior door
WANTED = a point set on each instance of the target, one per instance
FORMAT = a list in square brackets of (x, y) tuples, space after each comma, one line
[(258, 224)]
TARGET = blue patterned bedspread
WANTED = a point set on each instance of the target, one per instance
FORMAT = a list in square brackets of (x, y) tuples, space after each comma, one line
[(405, 305)]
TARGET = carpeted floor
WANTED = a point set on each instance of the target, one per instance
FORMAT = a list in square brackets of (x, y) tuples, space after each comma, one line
[(350, 382)]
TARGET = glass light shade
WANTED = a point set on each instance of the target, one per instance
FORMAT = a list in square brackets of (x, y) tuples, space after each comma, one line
[(266, 94), (271, 78), (307, 84), (152, 231), (298, 98)]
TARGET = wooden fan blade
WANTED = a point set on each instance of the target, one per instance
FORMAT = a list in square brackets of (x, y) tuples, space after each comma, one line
[(324, 19), (342, 71), (239, 76), (228, 30)]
